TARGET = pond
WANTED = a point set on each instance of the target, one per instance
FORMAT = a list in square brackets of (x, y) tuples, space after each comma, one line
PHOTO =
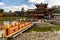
[(6, 19), (4, 22)]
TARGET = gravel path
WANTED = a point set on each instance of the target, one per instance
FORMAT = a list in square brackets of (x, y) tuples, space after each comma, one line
[(39, 36)]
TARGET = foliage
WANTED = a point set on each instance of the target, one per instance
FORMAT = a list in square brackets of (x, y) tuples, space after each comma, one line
[(56, 8), (55, 22), (10, 14), (44, 29), (22, 12), (10, 11), (1, 10)]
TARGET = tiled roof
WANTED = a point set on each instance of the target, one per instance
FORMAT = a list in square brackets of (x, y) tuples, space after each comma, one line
[(56, 14), (31, 10)]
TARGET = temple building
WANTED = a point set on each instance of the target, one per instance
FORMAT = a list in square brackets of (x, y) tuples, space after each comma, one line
[(40, 12)]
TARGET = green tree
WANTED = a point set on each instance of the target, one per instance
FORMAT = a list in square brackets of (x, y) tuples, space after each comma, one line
[(22, 12), (56, 8), (1, 10), (10, 11)]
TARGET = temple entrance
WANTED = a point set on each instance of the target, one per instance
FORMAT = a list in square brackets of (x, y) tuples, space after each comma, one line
[(40, 17), (46, 16)]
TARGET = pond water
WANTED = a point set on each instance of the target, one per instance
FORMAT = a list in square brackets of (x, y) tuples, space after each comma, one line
[(6, 22)]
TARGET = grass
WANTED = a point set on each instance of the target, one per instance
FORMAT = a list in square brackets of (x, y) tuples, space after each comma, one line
[(57, 25), (57, 28), (44, 29)]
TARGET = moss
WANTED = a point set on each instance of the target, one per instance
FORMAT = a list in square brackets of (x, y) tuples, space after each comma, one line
[(44, 29)]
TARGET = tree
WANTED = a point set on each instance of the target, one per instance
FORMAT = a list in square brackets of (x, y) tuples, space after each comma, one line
[(22, 12), (10, 11), (56, 8), (1, 10)]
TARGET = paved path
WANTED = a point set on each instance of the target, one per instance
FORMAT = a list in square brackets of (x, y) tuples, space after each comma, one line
[(1, 31), (43, 23), (49, 24)]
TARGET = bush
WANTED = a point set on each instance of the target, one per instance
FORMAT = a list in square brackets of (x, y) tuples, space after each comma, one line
[(55, 23)]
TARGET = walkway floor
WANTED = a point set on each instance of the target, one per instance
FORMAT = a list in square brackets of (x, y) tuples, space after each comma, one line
[(1, 31)]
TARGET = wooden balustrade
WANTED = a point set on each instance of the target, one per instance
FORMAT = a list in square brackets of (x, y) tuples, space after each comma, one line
[(18, 26)]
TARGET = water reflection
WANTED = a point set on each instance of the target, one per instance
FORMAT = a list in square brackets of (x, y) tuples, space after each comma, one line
[(6, 22)]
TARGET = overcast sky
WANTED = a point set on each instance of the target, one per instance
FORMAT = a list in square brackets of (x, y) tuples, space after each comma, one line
[(16, 5)]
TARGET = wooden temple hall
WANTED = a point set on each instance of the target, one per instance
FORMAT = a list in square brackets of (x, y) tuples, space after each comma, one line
[(40, 12)]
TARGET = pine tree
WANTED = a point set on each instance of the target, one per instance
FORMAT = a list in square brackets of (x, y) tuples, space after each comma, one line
[(22, 12)]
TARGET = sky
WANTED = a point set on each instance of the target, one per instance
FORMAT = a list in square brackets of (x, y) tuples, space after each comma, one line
[(16, 5)]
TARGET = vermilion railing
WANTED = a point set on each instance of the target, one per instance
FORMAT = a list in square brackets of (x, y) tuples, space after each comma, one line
[(17, 27)]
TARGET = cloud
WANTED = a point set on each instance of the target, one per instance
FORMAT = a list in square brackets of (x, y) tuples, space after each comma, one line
[(2, 3), (50, 2), (53, 2), (17, 8), (36, 1)]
